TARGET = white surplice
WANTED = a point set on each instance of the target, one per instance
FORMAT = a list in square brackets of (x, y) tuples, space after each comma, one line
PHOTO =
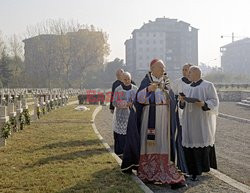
[(199, 126)]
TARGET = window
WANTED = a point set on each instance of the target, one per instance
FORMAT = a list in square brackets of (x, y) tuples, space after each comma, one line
[(223, 49)]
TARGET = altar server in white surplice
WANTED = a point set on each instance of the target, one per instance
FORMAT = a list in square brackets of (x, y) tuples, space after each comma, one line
[(123, 98), (199, 124)]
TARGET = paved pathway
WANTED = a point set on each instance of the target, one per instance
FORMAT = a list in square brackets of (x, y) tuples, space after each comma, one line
[(232, 155), (231, 108)]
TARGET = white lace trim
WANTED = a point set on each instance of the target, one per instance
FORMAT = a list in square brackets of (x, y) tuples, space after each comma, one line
[(197, 145)]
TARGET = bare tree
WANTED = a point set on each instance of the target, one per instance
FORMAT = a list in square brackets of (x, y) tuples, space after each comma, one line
[(90, 51), (16, 52), (1, 42), (53, 26), (65, 58), (63, 51)]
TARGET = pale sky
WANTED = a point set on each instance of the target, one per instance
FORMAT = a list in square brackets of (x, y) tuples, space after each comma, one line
[(119, 18)]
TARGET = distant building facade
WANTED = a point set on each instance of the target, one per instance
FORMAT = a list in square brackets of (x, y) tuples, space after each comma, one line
[(235, 57), (56, 59), (173, 41)]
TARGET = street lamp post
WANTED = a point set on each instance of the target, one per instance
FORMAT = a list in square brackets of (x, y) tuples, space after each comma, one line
[(232, 36)]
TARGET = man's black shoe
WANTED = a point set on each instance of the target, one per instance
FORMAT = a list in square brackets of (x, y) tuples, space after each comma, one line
[(194, 178), (128, 171), (186, 176)]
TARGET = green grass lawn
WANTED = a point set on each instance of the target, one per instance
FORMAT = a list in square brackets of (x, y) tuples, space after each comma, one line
[(61, 157)]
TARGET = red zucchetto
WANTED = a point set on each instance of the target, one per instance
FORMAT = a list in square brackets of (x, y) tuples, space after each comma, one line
[(153, 62)]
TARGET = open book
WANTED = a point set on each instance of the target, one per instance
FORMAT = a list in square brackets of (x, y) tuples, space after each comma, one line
[(189, 99)]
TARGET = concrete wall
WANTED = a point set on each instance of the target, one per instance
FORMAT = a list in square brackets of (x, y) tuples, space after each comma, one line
[(236, 96)]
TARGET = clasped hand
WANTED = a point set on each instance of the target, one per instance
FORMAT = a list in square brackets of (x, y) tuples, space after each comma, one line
[(152, 87)]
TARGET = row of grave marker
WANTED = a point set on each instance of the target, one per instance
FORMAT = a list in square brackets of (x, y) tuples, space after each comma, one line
[(15, 111)]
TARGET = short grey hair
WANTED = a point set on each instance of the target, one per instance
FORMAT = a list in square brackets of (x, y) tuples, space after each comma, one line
[(195, 68), (127, 74), (188, 64), (119, 73)]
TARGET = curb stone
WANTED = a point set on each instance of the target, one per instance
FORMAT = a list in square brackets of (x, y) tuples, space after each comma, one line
[(242, 120), (230, 181)]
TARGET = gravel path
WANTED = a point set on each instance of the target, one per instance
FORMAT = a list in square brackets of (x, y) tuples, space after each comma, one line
[(103, 123), (233, 149), (231, 159), (231, 108)]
